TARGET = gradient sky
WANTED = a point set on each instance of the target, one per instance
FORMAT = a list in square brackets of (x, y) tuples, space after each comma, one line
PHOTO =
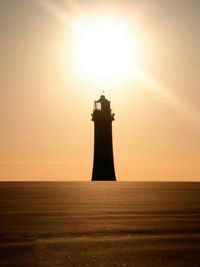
[(46, 131)]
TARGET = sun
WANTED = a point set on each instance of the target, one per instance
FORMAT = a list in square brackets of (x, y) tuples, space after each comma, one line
[(105, 48)]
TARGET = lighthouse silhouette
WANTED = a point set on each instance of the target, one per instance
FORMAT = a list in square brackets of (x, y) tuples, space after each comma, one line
[(103, 162)]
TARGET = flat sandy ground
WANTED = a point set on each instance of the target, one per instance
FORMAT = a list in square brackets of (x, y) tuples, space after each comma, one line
[(99, 224)]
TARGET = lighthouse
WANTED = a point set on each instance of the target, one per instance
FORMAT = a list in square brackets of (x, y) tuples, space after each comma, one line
[(103, 162)]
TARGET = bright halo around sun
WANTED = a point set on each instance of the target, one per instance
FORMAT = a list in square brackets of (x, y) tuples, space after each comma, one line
[(105, 48)]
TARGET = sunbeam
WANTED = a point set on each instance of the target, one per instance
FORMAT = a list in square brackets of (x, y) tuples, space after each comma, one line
[(105, 51), (166, 95), (63, 17)]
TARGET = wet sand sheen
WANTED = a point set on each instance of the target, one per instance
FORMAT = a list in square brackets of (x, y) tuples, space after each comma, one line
[(99, 224)]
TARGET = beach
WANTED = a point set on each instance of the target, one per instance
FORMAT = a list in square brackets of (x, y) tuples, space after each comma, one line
[(99, 224)]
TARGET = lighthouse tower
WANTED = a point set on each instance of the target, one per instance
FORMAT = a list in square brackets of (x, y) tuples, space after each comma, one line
[(103, 164)]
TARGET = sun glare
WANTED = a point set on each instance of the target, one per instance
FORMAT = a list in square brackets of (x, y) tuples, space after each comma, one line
[(105, 48)]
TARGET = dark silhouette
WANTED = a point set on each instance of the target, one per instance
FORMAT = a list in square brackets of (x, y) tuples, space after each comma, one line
[(103, 165)]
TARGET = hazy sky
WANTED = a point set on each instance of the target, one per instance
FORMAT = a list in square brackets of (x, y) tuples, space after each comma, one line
[(46, 132)]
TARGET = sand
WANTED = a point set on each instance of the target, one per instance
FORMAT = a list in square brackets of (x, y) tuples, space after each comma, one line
[(99, 224)]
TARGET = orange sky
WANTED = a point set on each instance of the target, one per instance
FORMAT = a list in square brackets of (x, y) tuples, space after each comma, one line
[(46, 129)]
